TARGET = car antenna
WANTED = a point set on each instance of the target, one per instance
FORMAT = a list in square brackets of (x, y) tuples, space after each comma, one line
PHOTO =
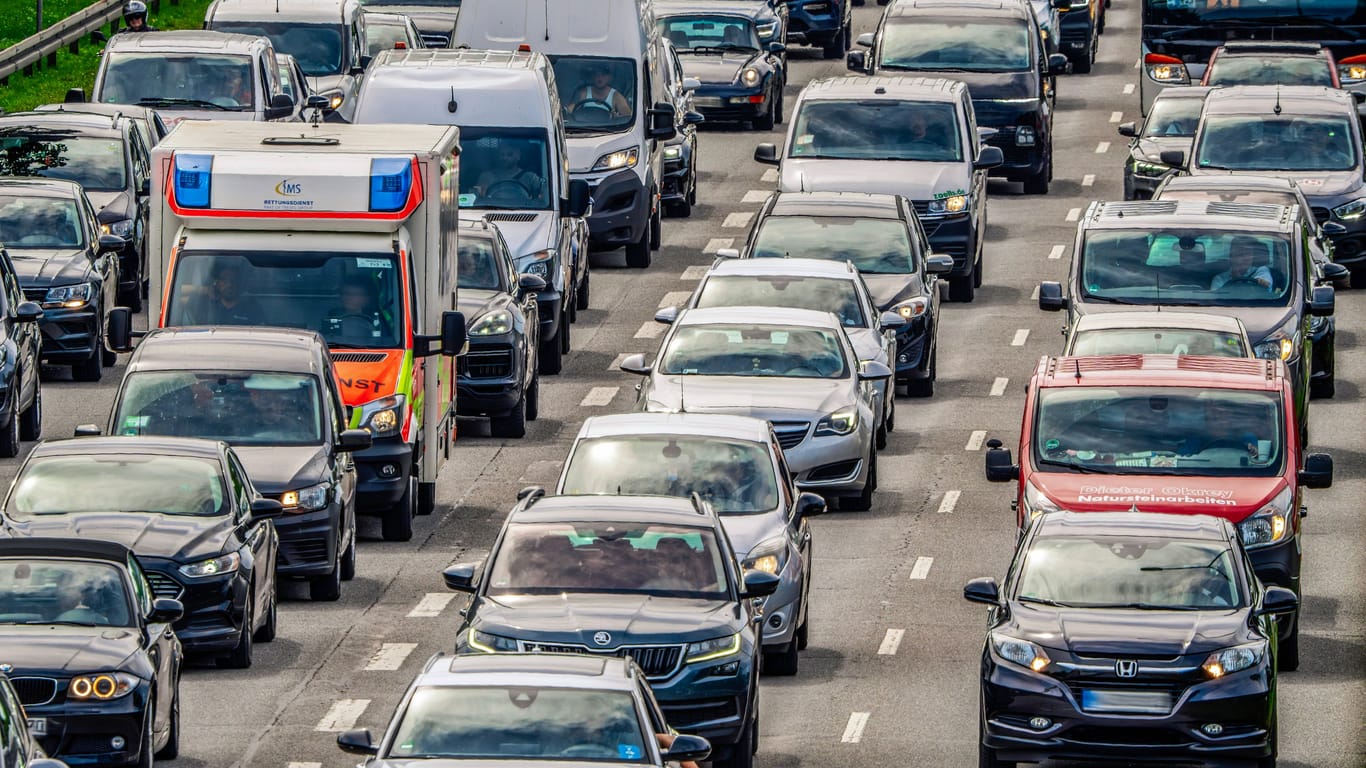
[(451, 105), (1277, 108), (1077, 362), (547, 20)]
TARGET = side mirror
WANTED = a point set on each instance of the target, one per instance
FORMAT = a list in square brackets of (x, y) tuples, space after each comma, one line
[(776, 47), (766, 153), (361, 66), (809, 504), (693, 118), (864, 40), (1176, 158), (691, 84), (166, 610), (31, 312), (1278, 600), (760, 583), (1336, 273), (984, 590), (666, 315), (118, 329), (635, 364), (1317, 472), (351, 440), (74, 96), (1333, 228), (890, 321), (687, 748), (460, 576), (1000, 466), (318, 102), (984, 133), (111, 243), (357, 742), (529, 283), (988, 158), (1060, 5), (454, 336), (1128, 129), (872, 370), (266, 509), (1050, 296), (98, 37), (939, 264), (1322, 301), (145, 188), (281, 105), (1058, 64), (578, 199), (727, 253), (663, 121), (856, 61), (88, 430)]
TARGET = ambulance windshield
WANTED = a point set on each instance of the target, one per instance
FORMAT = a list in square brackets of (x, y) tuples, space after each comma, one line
[(353, 300)]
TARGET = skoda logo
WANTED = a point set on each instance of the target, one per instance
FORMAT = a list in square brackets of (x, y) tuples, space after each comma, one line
[(602, 638), (1126, 668)]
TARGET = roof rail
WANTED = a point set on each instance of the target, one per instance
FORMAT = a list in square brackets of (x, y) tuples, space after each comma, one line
[(531, 494)]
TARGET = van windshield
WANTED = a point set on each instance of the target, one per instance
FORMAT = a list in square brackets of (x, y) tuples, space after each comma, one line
[(320, 49), (170, 81), (505, 168), (1195, 268), (353, 300), (598, 94)]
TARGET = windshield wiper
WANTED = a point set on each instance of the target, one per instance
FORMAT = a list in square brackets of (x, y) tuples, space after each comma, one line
[(1111, 299), (1081, 468), (1044, 601), (725, 47), (160, 101), (1145, 606), (55, 623), (1209, 565)]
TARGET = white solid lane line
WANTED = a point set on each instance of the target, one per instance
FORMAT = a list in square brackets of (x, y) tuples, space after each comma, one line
[(998, 387), (650, 330), (949, 503), (431, 605), (1073, 214), (1102, 147), (891, 642), (717, 243), (737, 220), (770, 176), (695, 272), (1089, 180), (1115, 117), (599, 396), (755, 196), (975, 440), (1056, 251), (342, 716), (390, 657), (1021, 336), (921, 570), (854, 730), (674, 298)]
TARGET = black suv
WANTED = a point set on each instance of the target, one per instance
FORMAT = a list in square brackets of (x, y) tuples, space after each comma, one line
[(21, 412), (996, 49), (107, 156), (648, 577)]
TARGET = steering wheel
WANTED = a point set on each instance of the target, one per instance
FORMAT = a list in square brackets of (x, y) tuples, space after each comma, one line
[(592, 103), (1245, 279), (513, 183), (1225, 442)]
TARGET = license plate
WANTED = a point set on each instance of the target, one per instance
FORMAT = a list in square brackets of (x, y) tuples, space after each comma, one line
[(706, 101), (37, 726), (1149, 702)]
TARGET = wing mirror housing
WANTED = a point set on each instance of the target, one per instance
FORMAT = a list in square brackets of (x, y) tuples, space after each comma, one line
[(890, 321), (281, 105), (856, 61), (529, 283), (691, 83), (686, 748), (1058, 64), (984, 590), (939, 264), (1000, 465), (872, 370), (351, 440), (777, 47), (88, 430), (166, 610), (809, 504), (454, 337), (110, 243), (864, 40), (766, 153), (635, 364), (1278, 601), (989, 157), (1317, 472), (727, 253), (663, 121), (460, 577), (580, 195), (666, 316), (28, 312), (1322, 301), (357, 742), (76, 95), (1176, 158), (760, 583), (48, 762), (118, 329), (1050, 296), (266, 509), (1336, 273)]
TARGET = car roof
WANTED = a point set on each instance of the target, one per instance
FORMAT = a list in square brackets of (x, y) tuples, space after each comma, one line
[(1133, 523), (1012, 8), (660, 510), (691, 424), (83, 549), (890, 87), (533, 670), (758, 315), (837, 270), (39, 186), (1280, 99), (228, 348), (1231, 182), (1096, 321), (851, 204), (1162, 371), (282, 10), (447, 60), (81, 122), (1215, 214), (384, 18), (732, 8), (182, 40), (130, 446)]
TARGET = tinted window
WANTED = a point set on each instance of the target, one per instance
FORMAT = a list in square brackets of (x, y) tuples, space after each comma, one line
[(1124, 571), (169, 485), (382, 37), (1210, 268), (734, 476), (702, 34), (198, 81), (28, 221), (480, 267), (95, 162), (598, 94), (237, 407), (320, 49), (1184, 12), (754, 350), (505, 168), (875, 246), (1270, 70), (1158, 341), (972, 45), (877, 130), (1263, 142), (35, 591), (839, 297), (1173, 117)]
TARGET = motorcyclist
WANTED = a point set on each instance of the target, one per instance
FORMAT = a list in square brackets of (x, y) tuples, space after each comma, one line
[(135, 17)]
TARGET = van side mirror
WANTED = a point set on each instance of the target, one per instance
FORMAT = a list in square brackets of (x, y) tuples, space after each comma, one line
[(1050, 296), (727, 253), (1176, 158), (87, 430), (766, 153), (856, 61), (358, 742), (454, 335), (983, 590), (1000, 465), (663, 121), (1317, 472), (1322, 301), (266, 509), (988, 158), (118, 329), (1129, 130), (351, 440), (460, 576), (29, 312), (576, 202), (361, 66), (75, 95), (864, 40), (281, 105), (1277, 601)]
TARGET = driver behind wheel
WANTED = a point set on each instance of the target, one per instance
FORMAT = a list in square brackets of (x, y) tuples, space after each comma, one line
[(600, 94), (358, 317), (508, 173), (1242, 255)]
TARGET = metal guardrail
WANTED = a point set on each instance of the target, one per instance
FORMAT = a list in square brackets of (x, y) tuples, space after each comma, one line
[(24, 55)]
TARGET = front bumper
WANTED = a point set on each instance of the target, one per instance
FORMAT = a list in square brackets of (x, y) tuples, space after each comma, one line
[(621, 208), (308, 542), (814, 22), (913, 352), (215, 607), (674, 186), (728, 102), (81, 733), (490, 376), (382, 472), (830, 464), (1140, 185), (954, 235), (782, 610), (69, 335)]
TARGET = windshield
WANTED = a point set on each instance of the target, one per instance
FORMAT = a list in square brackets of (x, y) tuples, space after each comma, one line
[(166, 485), (1199, 268), (1160, 431), (237, 407), (95, 162), (754, 350), (382, 37), (354, 301), (505, 168), (955, 45), (1129, 571), (1261, 13), (659, 560), (479, 266), (697, 33), (1173, 117), (1158, 341), (877, 130), (320, 49), (734, 476), (520, 723), (1270, 69), (422, 3), (598, 94), (63, 592), (40, 222), (824, 294), (875, 246), (187, 81), (1263, 142)]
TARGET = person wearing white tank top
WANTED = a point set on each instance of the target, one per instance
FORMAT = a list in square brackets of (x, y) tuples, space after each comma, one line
[(600, 94)]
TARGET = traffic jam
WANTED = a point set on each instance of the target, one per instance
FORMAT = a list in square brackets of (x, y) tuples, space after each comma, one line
[(398, 283)]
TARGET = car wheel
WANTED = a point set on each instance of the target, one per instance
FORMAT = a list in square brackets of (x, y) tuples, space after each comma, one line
[(692, 182), (148, 746), (680, 210), (1038, 183), (864, 501), (925, 387), (581, 296), (1323, 387), (426, 501), (326, 588), (766, 122), (91, 369), (1082, 64), (347, 561), (266, 632), (9, 439), (638, 253), (656, 228), (1288, 652), (397, 524), (742, 753), (803, 634), (563, 336), (511, 425), (986, 758), (533, 399), (31, 421), (551, 358), (881, 435), (962, 289), (778, 102), (171, 749), (782, 663), (240, 657), (891, 409)]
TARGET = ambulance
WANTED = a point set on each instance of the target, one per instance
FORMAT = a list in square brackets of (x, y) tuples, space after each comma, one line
[(346, 230)]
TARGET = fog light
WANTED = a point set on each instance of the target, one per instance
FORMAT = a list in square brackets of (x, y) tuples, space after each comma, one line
[(1212, 729), (775, 621), (388, 470), (117, 743), (903, 357), (727, 670), (1039, 723)]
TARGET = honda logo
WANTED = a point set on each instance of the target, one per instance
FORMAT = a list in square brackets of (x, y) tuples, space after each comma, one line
[(1126, 668)]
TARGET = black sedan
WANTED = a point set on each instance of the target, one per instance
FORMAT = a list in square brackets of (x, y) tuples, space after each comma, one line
[(1122, 636), (90, 651), (741, 78), (21, 412), (53, 237), (1170, 125), (498, 377), (187, 510)]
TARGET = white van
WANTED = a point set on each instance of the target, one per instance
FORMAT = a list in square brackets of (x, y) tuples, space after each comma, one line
[(513, 163), (609, 67)]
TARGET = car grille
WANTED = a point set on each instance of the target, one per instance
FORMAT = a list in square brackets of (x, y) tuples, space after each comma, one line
[(163, 585), (303, 551), (494, 363), (34, 691), (435, 40), (517, 217), (684, 715), (35, 294), (357, 357), (790, 433), (656, 661), (922, 207)]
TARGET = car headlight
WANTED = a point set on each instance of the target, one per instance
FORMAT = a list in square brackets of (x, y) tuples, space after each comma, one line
[(1036, 503), (69, 296), (622, 158), (769, 556), (1025, 136), (492, 324), (912, 308), (335, 99), (214, 566), (1021, 652), (949, 204), (1167, 69), (766, 30), (308, 499), (1270, 524), (123, 228), (713, 649), (383, 417), (537, 263), (1351, 72), (1279, 346), (103, 686), (673, 152), (1233, 659), (750, 76), (483, 641), (1151, 170), (840, 422), (1351, 211)]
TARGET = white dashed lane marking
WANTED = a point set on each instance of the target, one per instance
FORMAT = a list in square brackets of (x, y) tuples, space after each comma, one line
[(303, 765), (755, 196), (1056, 251), (431, 605), (1115, 117), (1128, 88), (998, 387), (890, 642), (342, 716), (1102, 147), (1089, 180), (389, 657), (1034, 294), (975, 440), (650, 330), (694, 272), (674, 298), (717, 243), (853, 732), (599, 396), (1073, 214), (921, 570), (770, 176), (949, 503), (737, 220), (1021, 336)]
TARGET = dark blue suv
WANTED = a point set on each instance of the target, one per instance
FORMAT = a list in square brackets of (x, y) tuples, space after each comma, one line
[(641, 576)]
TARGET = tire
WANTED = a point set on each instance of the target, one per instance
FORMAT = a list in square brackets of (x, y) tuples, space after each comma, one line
[(881, 436), (347, 561), (638, 254), (742, 754), (581, 296), (564, 335), (513, 424), (1288, 658), (864, 501), (782, 663), (858, 3), (925, 387), (171, 749), (240, 657), (397, 524), (986, 758), (679, 210), (268, 627), (766, 122), (803, 634), (891, 412), (31, 420), (148, 746), (1082, 65), (835, 48), (91, 369), (778, 101), (532, 396), (551, 359), (9, 439), (1038, 183), (426, 500), (962, 289), (108, 357), (1323, 388), (656, 229), (326, 588)]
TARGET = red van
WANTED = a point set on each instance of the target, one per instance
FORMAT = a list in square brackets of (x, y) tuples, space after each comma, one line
[(1170, 433)]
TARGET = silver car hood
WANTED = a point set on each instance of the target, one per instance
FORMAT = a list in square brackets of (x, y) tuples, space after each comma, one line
[(916, 180), (746, 531), (765, 397)]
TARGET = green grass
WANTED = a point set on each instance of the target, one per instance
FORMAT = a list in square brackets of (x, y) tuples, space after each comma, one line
[(50, 84), (18, 19)]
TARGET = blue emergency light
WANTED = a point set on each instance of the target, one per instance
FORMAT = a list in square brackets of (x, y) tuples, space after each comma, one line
[(191, 178), (391, 182)]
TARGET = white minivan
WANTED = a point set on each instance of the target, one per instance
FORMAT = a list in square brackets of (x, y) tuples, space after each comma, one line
[(513, 161), (609, 66)]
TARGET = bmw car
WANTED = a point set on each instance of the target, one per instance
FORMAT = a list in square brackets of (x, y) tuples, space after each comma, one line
[(741, 77)]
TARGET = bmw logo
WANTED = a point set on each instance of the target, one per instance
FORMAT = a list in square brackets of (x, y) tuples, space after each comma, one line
[(6, 668), (602, 638)]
